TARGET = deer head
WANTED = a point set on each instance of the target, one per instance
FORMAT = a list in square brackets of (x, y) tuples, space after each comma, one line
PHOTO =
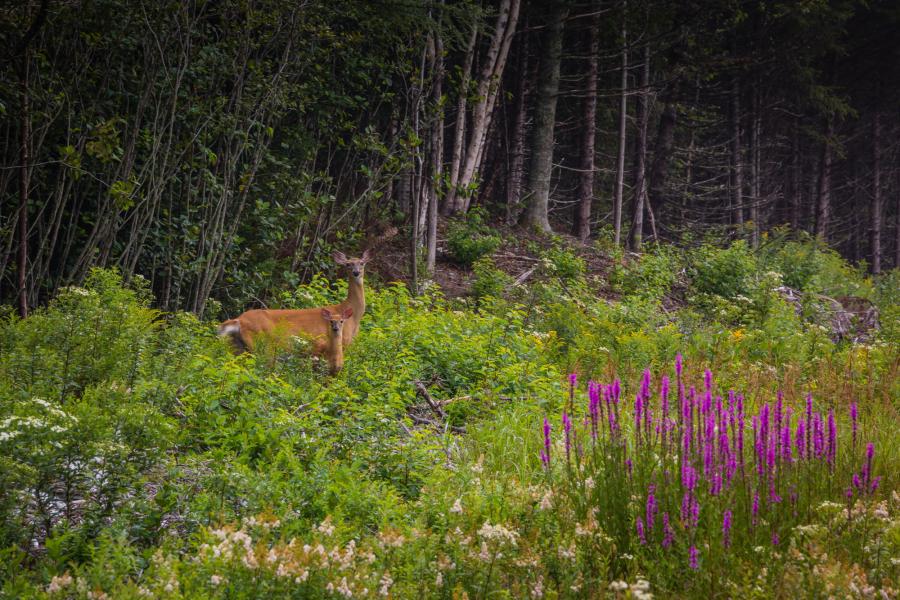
[(357, 266), (336, 320)]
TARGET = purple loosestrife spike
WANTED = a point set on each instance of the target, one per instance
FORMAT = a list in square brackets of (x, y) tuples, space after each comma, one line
[(567, 428), (819, 435), (775, 539), (831, 451), (637, 418), (707, 380), (786, 455), (874, 485), (628, 466), (853, 417), (640, 531), (616, 390), (856, 482), (573, 379), (651, 507), (679, 365), (664, 402), (545, 460), (755, 508), (867, 468), (694, 564), (645, 384), (801, 439), (726, 529), (547, 442), (668, 532), (809, 425)]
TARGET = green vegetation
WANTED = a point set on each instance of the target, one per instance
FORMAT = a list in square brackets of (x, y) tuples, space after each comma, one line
[(140, 458)]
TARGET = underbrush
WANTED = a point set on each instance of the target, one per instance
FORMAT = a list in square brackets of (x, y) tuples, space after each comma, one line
[(140, 457)]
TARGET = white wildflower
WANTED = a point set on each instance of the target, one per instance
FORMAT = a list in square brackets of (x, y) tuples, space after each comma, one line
[(386, 583), (618, 586), (216, 579), (457, 506), (59, 582)]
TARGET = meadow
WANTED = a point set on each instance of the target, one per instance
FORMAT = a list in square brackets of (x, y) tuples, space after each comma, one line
[(688, 433)]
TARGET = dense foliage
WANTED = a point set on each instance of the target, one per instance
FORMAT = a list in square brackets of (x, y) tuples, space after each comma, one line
[(142, 458)]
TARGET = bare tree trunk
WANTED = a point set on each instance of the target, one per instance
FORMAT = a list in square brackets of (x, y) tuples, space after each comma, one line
[(516, 173), (662, 155), (823, 201), (737, 181), (796, 186), (437, 154), (876, 193), (537, 214), (623, 116), (24, 159), (487, 92), (459, 131), (754, 171), (581, 226), (642, 115)]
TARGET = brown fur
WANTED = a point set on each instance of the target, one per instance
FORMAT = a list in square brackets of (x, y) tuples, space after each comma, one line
[(309, 322)]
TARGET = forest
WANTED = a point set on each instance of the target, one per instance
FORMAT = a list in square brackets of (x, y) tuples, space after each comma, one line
[(449, 299)]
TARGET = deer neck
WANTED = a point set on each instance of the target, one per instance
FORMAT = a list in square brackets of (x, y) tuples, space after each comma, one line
[(335, 352), (356, 298)]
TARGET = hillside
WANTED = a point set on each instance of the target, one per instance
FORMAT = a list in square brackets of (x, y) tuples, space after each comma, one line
[(142, 458)]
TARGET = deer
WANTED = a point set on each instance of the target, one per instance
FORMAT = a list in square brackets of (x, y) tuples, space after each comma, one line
[(333, 348), (308, 322)]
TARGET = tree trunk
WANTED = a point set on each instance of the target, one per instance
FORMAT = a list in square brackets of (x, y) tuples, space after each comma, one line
[(459, 130), (487, 92), (437, 155), (623, 117), (581, 226), (823, 201), (642, 115), (537, 215), (516, 173), (737, 180), (24, 159), (662, 155), (796, 187), (876, 193), (754, 171)]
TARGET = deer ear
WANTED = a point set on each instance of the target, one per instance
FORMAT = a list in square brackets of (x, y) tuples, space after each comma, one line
[(367, 256), (339, 257), (326, 314), (348, 312)]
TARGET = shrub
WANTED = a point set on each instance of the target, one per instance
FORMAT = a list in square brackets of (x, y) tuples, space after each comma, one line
[(489, 281), (470, 238), (651, 276)]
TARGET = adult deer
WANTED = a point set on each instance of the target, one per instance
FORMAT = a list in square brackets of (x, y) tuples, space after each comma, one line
[(307, 322)]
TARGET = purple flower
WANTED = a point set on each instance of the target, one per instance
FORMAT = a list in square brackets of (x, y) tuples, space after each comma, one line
[(650, 510), (832, 439), (693, 558), (707, 380), (853, 418), (546, 453), (567, 427), (874, 484), (668, 532), (809, 424), (775, 539), (573, 379), (755, 508), (640, 531), (801, 439), (645, 384), (726, 529)]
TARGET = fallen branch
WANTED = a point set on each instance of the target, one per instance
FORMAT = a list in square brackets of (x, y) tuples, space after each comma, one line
[(420, 387)]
